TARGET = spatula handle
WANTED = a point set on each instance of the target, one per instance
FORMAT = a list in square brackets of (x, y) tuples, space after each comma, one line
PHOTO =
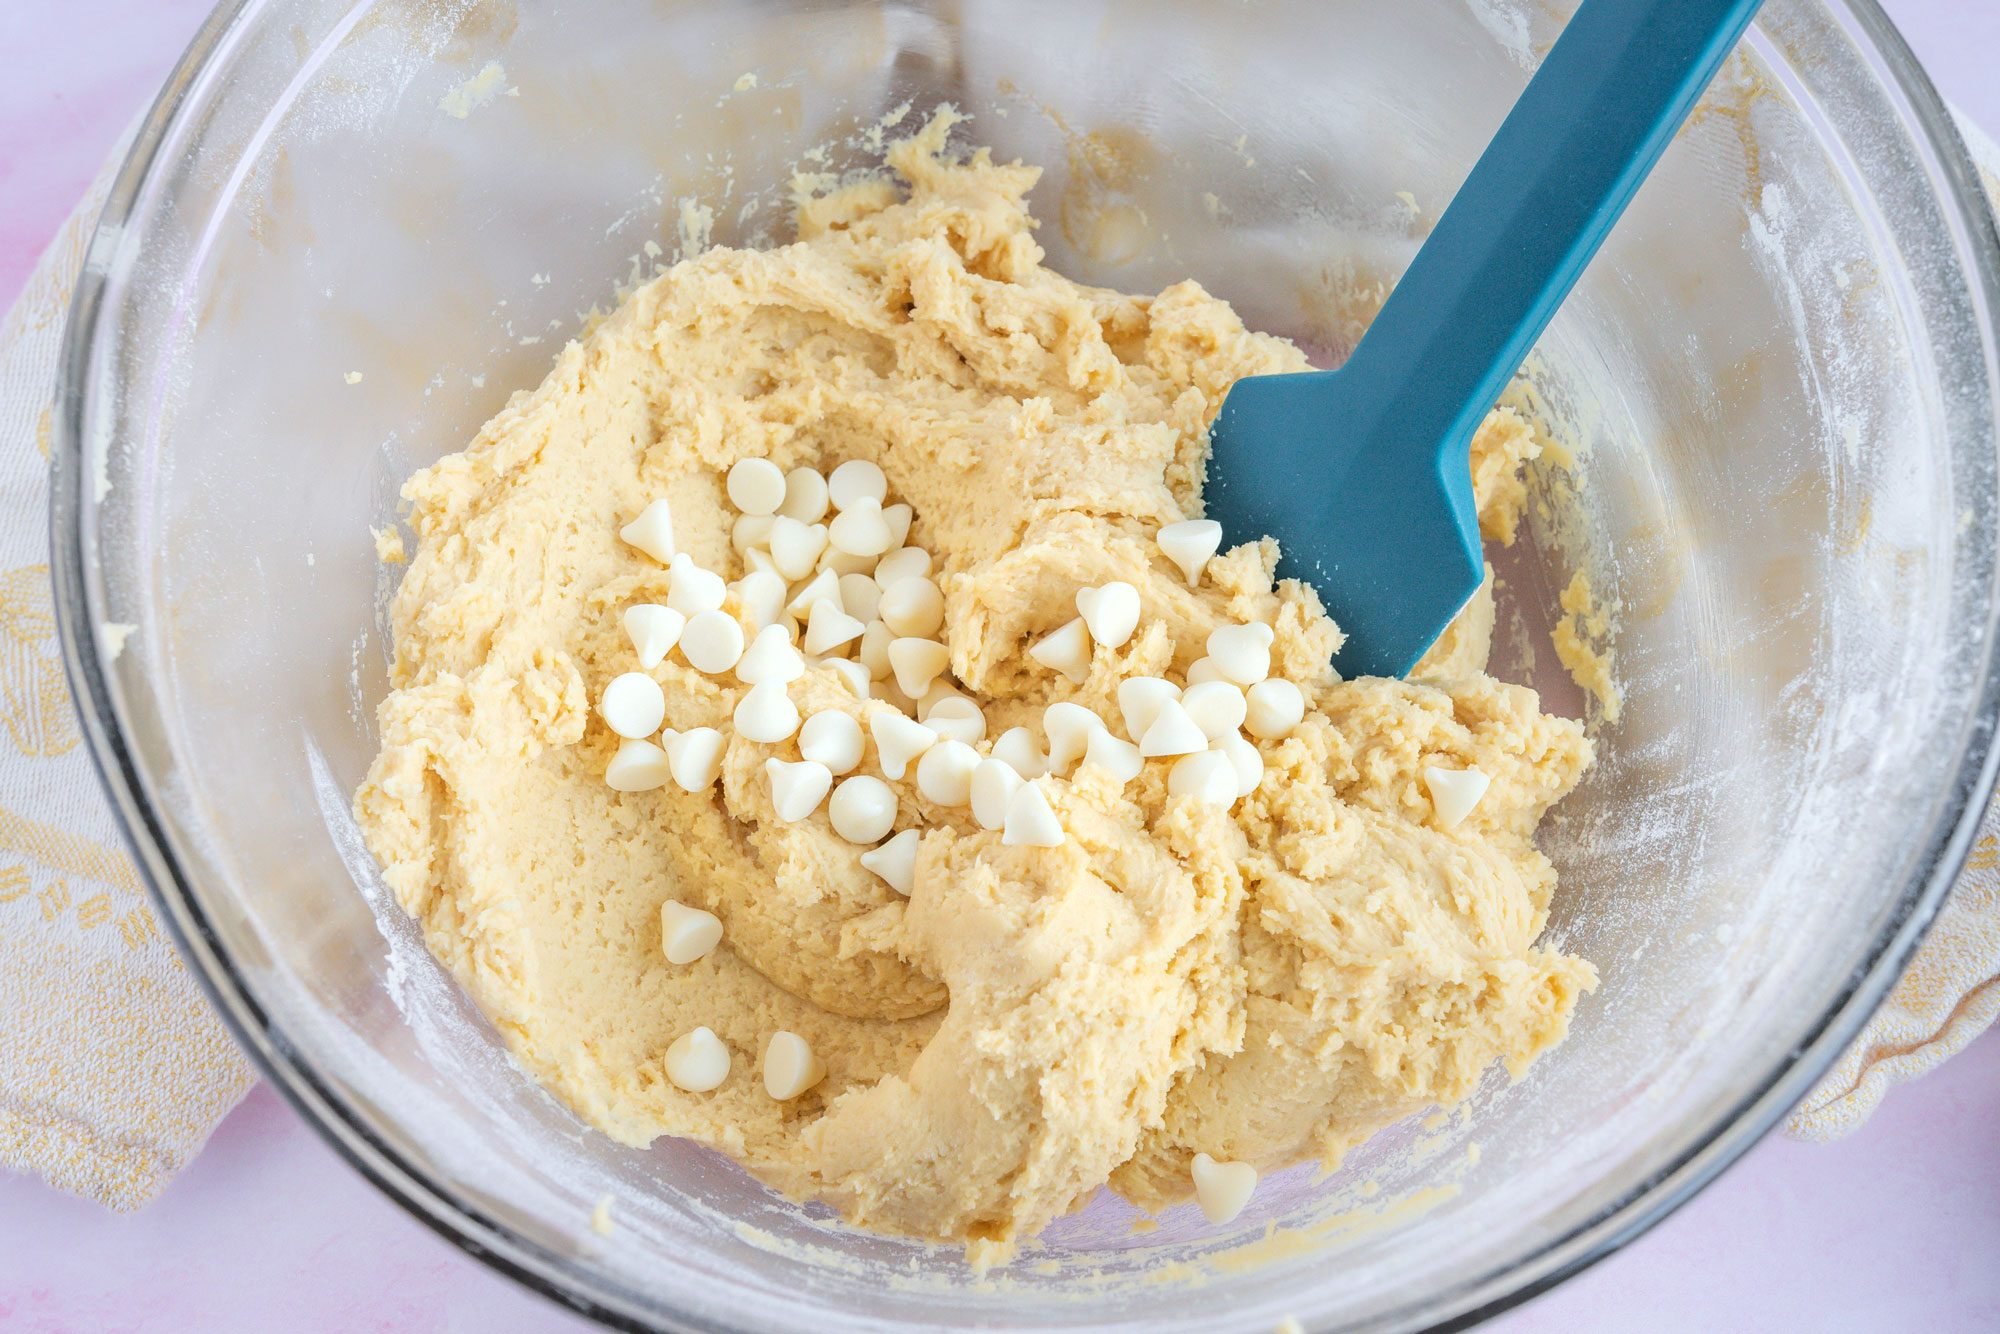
[(1539, 202)]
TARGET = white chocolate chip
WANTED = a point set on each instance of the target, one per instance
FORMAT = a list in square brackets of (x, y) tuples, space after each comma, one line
[(652, 532), (797, 788), (1247, 762), (860, 529), (902, 563), (856, 480), (758, 561), (888, 692), (863, 809), (761, 595), (1110, 612), (639, 766), (770, 657), (916, 663), (893, 695), (1190, 544), (1454, 792), (1139, 700), (692, 590), (1203, 669), (1208, 777), (1222, 1189), (832, 738), (1016, 749), (822, 587), (712, 642), (795, 546), (860, 595), (1068, 727), (874, 651), (1172, 732), (994, 783), (756, 486), (696, 757), (1121, 759), (956, 718), (687, 934), (852, 674), (1217, 707), (896, 861), (1241, 652), (698, 1061), (899, 517), (1031, 821), (751, 532), (633, 705), (790, 1066), (912, 606), (944, 774), (1276, 706), (940, 691), (830, 627), (898, 740), (844, 563), (653, 630), (766, 714), (1066, 650), (805, 495)]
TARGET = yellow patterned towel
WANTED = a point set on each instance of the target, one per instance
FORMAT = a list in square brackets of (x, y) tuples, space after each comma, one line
[(113, 1069)]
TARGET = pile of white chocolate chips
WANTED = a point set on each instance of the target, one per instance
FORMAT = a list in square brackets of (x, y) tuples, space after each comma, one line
[(846, 593)]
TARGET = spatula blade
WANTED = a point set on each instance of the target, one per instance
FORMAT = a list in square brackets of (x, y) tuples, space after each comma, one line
[(1388, 539)]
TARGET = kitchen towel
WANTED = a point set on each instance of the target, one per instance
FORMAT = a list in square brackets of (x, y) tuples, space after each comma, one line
[(113, 1069)]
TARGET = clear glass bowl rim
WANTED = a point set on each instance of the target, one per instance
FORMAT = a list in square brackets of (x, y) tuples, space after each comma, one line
[(79, 598)]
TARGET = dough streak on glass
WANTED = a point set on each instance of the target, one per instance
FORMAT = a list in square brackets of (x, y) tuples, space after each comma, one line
[(1263, 985)]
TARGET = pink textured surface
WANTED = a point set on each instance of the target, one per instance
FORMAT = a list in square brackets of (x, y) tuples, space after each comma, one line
[(1897, 1227)]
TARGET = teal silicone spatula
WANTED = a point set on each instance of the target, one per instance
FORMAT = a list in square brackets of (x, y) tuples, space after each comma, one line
[(1363, 473)]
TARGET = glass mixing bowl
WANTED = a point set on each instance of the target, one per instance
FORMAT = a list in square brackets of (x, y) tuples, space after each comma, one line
[(351, 227)]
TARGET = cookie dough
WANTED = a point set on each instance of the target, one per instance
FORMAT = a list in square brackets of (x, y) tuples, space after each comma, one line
[(1264, 983)]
